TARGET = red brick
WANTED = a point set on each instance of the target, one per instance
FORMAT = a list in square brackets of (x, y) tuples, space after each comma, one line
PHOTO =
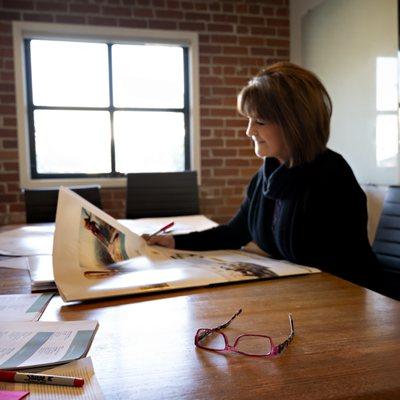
[(235, 50), (212, 142), (18, 4), (9, 121), (225, 18), (143, 12), (223, 39), (8, 177), (10, 15), (159, 3), (132, 23), (200, 6), (11, 166), (237, 162), (195, 16), (227, 7), (225, 91), (10, 144), (283, 32), (205, 49), (211, 80), (192, 26), (282, 12), (6, 52), (250, 41), (219, 28), (241, 8), (224, 152), (5, 27), (251, 20), (116, 11), (211, 122), (159, 24), (277, 22), (258, 30), (8, 155), (278, 42), (187, 5), (102, 21), (223, 112), (17, 207), (84, 8), (169, 14), (7, 98), (262, 51), (7, 76), (8, 198), (211, 162), (242, 29), (6, 109), (225, 60), (173, 4), (38, 17), (51, 6), (70, 19)]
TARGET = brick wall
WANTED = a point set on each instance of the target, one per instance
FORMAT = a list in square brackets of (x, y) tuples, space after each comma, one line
[(236, 39)]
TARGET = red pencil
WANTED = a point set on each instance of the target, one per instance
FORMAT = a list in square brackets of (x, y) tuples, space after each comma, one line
[(164, 228)]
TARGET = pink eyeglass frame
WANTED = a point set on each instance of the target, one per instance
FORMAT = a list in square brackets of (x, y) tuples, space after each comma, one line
[(275, 350)]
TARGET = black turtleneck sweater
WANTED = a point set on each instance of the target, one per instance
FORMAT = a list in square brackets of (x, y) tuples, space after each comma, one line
[(313, 214)]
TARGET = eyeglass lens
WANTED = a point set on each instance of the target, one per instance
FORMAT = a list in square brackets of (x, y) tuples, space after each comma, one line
[(254, 345), (211, 340)]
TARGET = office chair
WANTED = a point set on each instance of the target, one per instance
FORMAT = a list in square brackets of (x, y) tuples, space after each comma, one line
[(162, 194), (387, 242), (41, 204)]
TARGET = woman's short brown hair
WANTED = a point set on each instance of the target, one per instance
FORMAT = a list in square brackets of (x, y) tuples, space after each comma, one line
[(297, 101)]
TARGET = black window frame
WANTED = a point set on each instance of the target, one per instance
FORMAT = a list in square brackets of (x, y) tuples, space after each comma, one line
[(111, 109)]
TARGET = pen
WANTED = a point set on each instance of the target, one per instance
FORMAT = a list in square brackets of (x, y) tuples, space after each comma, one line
[(164, 228), (13, 376)]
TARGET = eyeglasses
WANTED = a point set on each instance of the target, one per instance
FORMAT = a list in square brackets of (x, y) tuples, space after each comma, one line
[(246, 344)]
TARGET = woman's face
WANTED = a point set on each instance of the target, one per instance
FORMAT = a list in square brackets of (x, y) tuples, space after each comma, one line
[(268, 139)]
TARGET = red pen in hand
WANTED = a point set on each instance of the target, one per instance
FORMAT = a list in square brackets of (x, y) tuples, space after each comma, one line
[(163, 229)]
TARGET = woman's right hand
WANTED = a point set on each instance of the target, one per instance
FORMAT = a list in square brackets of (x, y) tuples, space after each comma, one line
[(160, 240)]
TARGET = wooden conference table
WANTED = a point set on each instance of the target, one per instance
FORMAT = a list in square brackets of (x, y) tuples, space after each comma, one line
[(347, 343)]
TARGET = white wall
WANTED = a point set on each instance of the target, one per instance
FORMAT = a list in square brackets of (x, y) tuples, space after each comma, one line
[(340, 41)]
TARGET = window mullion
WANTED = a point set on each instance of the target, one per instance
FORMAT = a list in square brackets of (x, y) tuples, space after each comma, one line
[(110, 85)]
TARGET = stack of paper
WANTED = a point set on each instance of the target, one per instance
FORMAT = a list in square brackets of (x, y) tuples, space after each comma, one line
[(34, 344), (23, 307), (41, 273)]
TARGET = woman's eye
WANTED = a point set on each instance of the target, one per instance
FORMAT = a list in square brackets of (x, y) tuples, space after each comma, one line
[(260, 122)]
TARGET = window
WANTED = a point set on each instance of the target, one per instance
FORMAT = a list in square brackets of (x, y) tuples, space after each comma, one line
[(98, 107)]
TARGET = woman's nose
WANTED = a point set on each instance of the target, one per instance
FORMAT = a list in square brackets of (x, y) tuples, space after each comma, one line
[(250, 129)]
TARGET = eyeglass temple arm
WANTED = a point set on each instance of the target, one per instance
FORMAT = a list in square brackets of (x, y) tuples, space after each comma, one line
[(219, 327), (282, 346)]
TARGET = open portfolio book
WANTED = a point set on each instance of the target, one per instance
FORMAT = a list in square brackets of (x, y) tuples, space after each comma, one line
[(95, 256)]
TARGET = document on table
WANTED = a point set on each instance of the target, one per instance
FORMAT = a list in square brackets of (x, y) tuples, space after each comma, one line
[(14, 262), (23, 307), (27, 240), (81, 368), (35, 344), (182, 224), (41, 273)]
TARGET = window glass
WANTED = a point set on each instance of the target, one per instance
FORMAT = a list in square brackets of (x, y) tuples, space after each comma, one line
[(69, 73), (72, 141), (148, 76), (149, 141)]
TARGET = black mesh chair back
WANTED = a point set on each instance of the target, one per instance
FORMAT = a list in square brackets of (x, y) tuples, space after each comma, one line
[(162, 194), (41, 204), (387, 242)]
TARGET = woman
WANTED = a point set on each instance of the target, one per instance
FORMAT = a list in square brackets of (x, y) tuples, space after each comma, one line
[(304, 204)]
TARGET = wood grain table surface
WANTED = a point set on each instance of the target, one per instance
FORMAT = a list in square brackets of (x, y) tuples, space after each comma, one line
[(347, 342)]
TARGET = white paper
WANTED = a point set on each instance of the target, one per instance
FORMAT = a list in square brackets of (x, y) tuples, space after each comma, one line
[(182, 224), (28, 240), (23, 307), (14, 262), (81, 368), (95, 256), (30, 344)]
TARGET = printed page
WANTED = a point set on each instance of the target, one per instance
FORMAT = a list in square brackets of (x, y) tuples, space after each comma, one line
[(81, 368), (29, 344), (95, 256), (27, 240), (23, 307)]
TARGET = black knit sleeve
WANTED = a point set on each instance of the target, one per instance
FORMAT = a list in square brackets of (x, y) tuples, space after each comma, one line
[(232, 235)]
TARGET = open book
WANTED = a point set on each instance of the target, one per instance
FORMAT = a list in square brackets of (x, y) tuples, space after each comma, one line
[(95, 256)]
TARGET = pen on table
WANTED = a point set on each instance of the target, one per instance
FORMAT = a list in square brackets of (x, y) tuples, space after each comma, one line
[(13, 376), (164, 228)]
